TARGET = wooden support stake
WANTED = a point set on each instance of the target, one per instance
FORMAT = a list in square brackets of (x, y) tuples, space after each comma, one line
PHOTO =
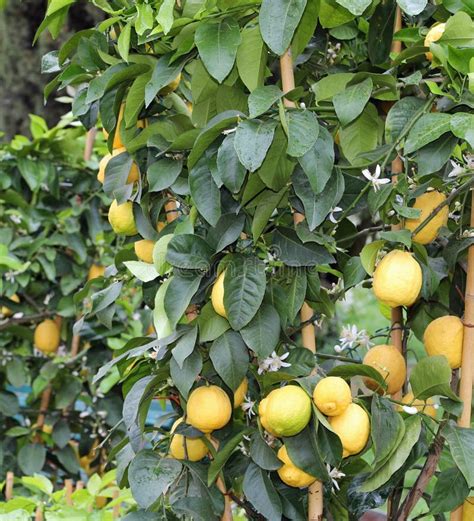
[(10, 478), (68, 487), (39, 513), (227, 515), (308, 334), (79, 485), (465, 386), (116, 507)]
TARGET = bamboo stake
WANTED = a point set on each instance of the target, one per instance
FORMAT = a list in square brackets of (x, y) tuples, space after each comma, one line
[(227, 515), (9, 485), (79, 485), (315, 491), (116, 507), (465, 386), (68, 486)]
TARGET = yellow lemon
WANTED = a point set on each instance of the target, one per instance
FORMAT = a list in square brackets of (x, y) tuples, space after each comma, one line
[(332, 395), (444, 336), (95, 271), (240, 392), (397, 279), (6, 311), (290, 474), (47, 336), (468, 509), (389, 362), (217, 295), (425, 406), (133, 175), (144, 250), (208, 408), (160, 226), (434, 34), (171, 87), (285, 411), (117, 139), (121, 218), (353, 429), (192, 449), (47, 429), (427, 203)]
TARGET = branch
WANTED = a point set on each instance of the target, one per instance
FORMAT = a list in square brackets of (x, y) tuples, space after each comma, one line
[(424, 477), (251, 513), (24, 320)]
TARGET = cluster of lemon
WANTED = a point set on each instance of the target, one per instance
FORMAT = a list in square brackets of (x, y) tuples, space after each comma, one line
[(208, 409)]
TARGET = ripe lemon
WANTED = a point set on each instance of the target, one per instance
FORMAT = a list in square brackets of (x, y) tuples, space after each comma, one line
[(95, 271), (47, 336), (353, 429), (427, 203), (389, 362), (121, 218), (217, 295), (285, 411), (6, 311), (332, 395), (144, 250), (397, 279), (195, 449), (160, 226), (117, 139), (290, 474), (208, 408), (240, 392), (133, 175), (444, 336), (425, 406), (171, 87), (47, 428), (434, 34), (468, 509)]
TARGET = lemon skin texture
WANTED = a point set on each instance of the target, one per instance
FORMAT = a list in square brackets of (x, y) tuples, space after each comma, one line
[(285, 411), (445, 336), (434, 34), (95, 271), (389, 362), (332, 395), (427, 203), (240, 392), (47, 337), (217, 295), (171, 87), (5, 310), (398, 279), (290, 474), (353, 429), (195, 450), (133, 175), (208, 408), (121, 218), (468, 509), (424, 406), (144, 250)]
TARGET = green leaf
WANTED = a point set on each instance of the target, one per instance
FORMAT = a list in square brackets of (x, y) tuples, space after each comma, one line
[(318, 162), (369, 254), (142, 270), (231, 171), (226, 231), (230, 358), (163, 74), (144, 19), (461, 446), (252, 141), (293, 252), (165, 15), (179, 293), (163, 173), (350, 370), (123, 42), (354, 272), (150, 476), (251, 58), (412, 7), (183, 377), (217, 43), (462, 126), (205, 192), (185, 346), (262, 333), (303, 130), (244, 288), (326, 88), (381, 32), (296, 291), (459, 30), (398, 457), (9, 405), (262, 454), (261, 493), (351, 102), (262, 98), (401, 236), (449, 492), (223, 454), (431, 376), (211, 325), (306, 27), (278, 21), (356, 7), (31, 458), (428, 128), (190, 252)]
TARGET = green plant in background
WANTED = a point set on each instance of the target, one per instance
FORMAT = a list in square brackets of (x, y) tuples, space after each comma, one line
[(192, 91), (52, 231)]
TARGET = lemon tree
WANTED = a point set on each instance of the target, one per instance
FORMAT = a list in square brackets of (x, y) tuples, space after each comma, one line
[(260, 199)]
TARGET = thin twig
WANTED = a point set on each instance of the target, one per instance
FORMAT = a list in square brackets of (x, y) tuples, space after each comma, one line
[(24, 320)]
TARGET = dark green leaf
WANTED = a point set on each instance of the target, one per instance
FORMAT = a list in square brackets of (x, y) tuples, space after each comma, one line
[(262, 454), (163, 173), (188, 251), (183, 377), (252, 141), (350, 370), (261, 493), (431, 376), (351, 102), (205, 192), (230, 358), (231, 171), (461, 446), (289, 248), (262, 333), (303, 130), (449, 492)]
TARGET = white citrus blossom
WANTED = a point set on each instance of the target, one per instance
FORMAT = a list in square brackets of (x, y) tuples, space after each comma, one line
[(335, 474), (334, 210), (247, 406), (410, 409), (273, 363), (351, 337), (375, 178), (457, 169)]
